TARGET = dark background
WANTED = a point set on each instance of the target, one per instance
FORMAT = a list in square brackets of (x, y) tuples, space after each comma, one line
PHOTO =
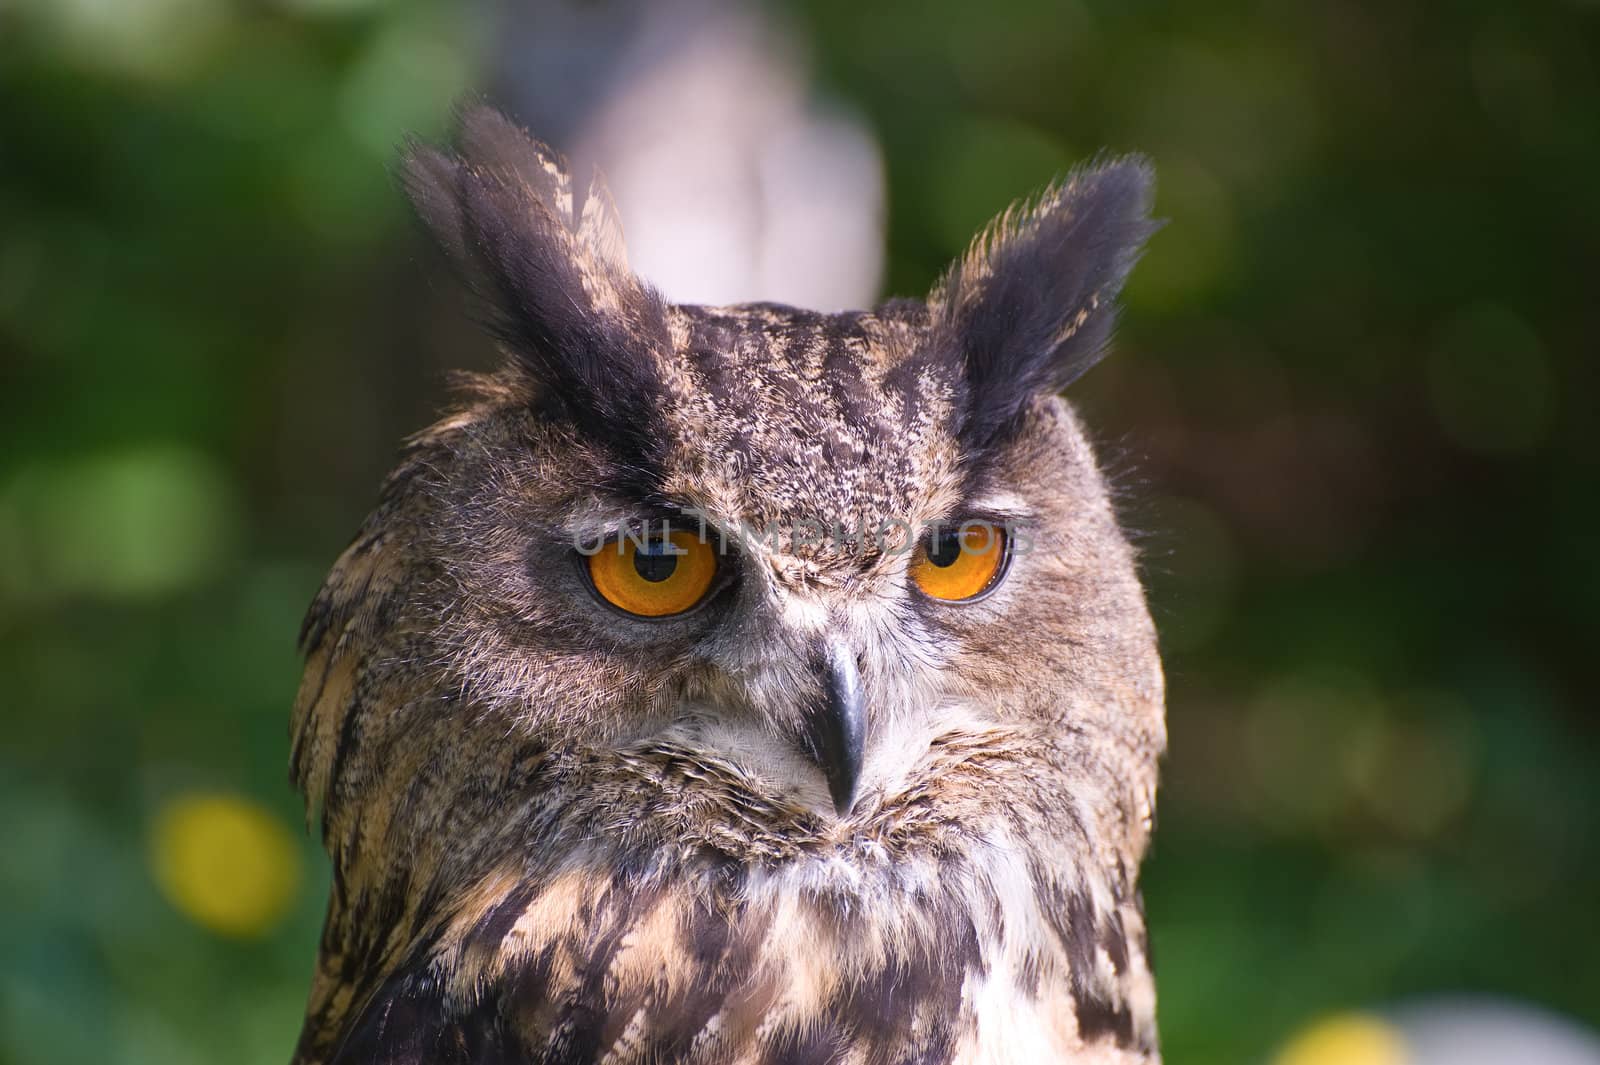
[(1351, 415)]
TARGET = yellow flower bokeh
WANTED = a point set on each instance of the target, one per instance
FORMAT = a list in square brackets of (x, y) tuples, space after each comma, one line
[(1346, 1039), (225, 863)]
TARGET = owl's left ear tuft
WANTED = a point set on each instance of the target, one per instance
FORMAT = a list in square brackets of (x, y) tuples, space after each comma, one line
[(551, 280), (1032, 304)]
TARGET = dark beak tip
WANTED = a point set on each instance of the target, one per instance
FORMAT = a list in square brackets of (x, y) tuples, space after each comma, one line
[(835, 732), (842, 768)]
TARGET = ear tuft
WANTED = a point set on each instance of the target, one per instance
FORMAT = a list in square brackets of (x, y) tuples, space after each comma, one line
[(1032, 304), (495, 144), (552, 283)]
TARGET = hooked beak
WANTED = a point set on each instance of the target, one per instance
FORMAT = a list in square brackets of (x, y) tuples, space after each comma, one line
[(835, 727)]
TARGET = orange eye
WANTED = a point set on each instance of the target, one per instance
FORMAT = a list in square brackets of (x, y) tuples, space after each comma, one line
[(960, 562), (662, 576)]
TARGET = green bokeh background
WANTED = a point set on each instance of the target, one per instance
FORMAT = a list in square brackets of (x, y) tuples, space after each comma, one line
[(1351, 414)]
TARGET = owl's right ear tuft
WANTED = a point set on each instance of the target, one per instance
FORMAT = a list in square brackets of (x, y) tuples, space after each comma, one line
[(1032, 304), (551, 283)]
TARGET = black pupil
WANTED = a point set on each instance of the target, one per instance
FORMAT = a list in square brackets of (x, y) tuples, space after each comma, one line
[(656, 560), (945, 547)]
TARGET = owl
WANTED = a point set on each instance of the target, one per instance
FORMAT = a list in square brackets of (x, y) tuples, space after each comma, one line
[(739, 685)]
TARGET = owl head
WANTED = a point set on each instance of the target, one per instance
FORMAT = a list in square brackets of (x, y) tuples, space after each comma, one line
[(742, 587)]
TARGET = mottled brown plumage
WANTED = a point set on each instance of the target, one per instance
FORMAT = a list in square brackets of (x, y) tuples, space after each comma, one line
[(565, 835)]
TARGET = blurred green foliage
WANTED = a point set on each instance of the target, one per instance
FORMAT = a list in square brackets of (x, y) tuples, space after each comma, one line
[(1350, 415)]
